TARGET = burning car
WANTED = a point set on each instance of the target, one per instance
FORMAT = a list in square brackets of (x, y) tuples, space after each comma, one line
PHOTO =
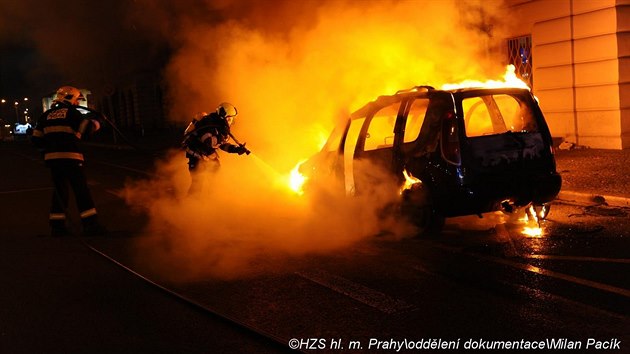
[(454, 152)]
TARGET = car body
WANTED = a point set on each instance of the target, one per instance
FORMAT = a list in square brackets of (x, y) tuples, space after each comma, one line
[(475, 150)]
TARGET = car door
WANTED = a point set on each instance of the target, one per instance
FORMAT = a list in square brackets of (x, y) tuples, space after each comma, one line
[(374, 142)]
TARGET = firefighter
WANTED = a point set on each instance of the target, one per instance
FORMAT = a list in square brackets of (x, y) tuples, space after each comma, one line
[(57, 135), (204, 135)]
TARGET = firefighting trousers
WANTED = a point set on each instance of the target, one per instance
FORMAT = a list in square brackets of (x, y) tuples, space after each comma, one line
[(66, 176), (199, 170)]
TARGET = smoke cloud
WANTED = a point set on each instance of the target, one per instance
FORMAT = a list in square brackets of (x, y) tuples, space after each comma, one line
[(246, 222), (293, 69)]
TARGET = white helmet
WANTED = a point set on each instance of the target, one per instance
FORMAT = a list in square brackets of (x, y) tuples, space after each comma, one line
[(69, 94), (227, 111)]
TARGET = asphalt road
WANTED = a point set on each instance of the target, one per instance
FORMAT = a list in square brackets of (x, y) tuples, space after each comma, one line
[(478, 281), (60, 296)]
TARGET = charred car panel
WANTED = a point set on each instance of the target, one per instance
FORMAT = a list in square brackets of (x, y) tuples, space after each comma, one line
[(473, 149)]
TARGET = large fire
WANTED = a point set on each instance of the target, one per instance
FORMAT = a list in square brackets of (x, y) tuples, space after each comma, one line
[(296, 179), (323, 60), (509, 80)]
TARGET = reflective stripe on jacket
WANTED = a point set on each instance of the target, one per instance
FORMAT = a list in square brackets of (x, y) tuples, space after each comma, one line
[(58, 132)]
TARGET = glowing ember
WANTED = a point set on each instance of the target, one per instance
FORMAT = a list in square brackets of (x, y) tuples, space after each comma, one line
[(296, 179), (409, 181), (533, 228), (509, 80)]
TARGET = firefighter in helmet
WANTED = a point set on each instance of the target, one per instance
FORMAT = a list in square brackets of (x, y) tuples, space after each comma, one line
[(205, 134), (57, 135)]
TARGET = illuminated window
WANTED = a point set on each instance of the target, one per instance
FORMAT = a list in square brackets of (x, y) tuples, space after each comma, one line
[(520, 55), (415, 119), (380, 133), (489, 115), (348, 153)]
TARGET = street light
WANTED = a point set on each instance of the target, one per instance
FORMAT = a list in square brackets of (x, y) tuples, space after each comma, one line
[(16, 106), (26, 111)]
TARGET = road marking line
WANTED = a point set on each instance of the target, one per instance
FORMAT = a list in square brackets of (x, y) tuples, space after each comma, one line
[(578, 258), (27, 190), (358, 292), (542, 271), (562, 276), (203, 307)]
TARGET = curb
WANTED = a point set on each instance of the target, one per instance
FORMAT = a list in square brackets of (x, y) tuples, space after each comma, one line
[(610, 200)]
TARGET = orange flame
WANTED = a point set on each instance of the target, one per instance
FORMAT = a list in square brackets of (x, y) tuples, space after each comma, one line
[(532, 229), (410, 180), (509, 80), (297, 180)]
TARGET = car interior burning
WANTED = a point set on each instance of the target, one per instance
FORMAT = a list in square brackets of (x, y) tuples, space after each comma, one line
[(453, 152)]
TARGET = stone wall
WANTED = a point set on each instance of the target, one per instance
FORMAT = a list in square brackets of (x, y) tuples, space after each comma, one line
[(581, 67)]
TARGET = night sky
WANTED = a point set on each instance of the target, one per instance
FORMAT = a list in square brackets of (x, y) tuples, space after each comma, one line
[(88, 44), (96, 44), (19, 78)]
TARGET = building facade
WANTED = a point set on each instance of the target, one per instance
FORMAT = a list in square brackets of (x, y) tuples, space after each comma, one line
[(136, 107), (576, 56)]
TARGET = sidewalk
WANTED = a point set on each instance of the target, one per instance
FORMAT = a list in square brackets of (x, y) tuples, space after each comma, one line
[(595, 175)]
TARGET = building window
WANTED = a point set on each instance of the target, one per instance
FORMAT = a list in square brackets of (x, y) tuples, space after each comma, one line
[(520, 55)]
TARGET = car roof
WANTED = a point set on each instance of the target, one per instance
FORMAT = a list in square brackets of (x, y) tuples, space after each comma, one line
[(426, 90)]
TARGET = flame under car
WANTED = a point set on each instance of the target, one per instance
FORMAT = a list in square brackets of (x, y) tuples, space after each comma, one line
[(473, 150)]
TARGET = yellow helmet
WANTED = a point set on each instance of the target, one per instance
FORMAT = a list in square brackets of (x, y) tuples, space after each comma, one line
[(69, 94), (227, 111)]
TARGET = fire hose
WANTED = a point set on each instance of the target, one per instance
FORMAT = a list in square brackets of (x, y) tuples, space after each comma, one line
[(241, 145), (115, 128)]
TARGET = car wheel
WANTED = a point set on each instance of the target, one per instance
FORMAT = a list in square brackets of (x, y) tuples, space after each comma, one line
[(417, 206)]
